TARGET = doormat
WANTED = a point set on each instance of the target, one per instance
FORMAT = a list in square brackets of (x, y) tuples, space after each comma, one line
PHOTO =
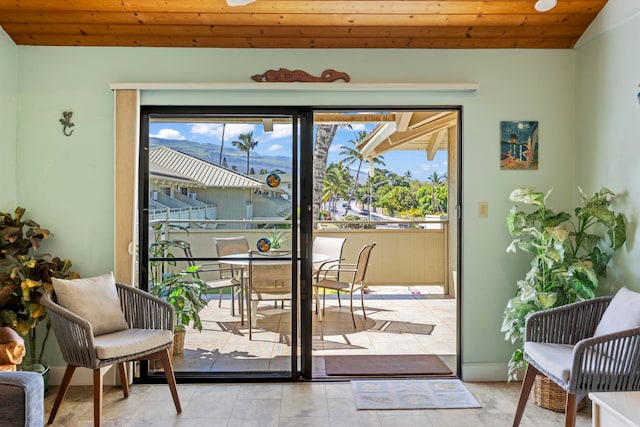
[(401, 364), (412, 394)]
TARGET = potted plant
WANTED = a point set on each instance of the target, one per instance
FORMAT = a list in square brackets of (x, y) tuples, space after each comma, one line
[(570, 254), (277, 239), (24, 278), (183, 289)]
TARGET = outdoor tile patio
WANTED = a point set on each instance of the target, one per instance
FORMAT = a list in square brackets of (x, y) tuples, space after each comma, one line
[(400, 320)]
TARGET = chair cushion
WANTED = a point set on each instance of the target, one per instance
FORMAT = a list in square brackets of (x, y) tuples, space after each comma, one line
[(131, 342), (551, 359), (622, 313), (94, 299)]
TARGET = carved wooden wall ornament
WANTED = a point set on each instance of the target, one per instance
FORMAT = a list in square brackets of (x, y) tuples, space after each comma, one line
[(285, 75)]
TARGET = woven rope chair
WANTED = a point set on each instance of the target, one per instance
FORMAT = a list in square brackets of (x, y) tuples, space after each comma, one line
[(560, 344), (149, 318)]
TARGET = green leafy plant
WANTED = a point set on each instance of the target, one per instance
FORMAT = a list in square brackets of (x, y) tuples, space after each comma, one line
[(183, 289), (569, 253), (24, 278)]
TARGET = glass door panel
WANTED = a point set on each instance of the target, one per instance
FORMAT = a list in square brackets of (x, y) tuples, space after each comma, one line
[(219, 206)]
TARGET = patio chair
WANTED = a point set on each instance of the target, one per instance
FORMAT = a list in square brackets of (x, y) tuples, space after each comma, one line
[(332, 247), (358, 271), (99, 323), (232, 246), (269, 279), (584, 347), (214, 276)]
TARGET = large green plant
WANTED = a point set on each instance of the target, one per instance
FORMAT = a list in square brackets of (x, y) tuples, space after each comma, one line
[(569, 253), (25, 277), (183, 289)]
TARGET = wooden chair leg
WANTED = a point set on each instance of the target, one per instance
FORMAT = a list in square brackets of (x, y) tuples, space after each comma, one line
[(364, 313), (527, 383), (97, 397), (122, 367), (64, 386), (571, 410), (171, 379)]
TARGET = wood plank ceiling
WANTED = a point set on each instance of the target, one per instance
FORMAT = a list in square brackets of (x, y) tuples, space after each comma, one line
[(443, 24)]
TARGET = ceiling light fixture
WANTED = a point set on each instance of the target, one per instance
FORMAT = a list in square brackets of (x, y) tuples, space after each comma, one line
[(239, 2), (545, 5)]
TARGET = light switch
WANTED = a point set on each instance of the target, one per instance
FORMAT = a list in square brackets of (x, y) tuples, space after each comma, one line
[(483, 209)]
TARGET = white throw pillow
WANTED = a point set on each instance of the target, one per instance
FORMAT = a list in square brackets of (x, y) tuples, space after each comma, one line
[(94, 299), (623, 313)]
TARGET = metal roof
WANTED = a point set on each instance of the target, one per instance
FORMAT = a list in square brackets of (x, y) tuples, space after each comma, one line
[(201, 171)]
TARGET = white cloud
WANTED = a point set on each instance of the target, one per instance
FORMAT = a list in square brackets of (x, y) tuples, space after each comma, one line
[(169, 134), (275, 147), (207, 129), (335, 148), (279, 131), (358, 126), (231, 130)]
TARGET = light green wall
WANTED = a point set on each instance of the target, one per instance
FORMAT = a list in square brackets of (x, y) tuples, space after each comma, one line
[(8, 109), (608, 133), (67, 182)]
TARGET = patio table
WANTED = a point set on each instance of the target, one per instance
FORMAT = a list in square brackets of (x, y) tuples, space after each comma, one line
[(242, 261)]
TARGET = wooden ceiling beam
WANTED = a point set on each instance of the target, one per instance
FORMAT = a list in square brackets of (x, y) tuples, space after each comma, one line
[(244, 19), (403, 119), (434, 144), (278, 31), (282, 42), (439, 121), (360, 7)]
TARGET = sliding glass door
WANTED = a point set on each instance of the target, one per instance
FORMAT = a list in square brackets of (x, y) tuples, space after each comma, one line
[(224, 240), (241, 208)]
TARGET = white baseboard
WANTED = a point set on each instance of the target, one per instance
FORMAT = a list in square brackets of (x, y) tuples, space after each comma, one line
[(484, 372)]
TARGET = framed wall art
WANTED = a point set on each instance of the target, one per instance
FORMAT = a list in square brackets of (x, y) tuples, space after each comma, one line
[(519, 145)]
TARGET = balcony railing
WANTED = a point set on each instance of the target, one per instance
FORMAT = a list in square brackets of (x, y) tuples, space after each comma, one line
[(409, 253)]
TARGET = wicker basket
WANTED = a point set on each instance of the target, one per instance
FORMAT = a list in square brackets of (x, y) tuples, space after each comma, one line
[(178, 341), (547, 394)]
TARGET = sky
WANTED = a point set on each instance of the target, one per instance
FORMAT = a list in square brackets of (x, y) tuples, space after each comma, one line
[(278, 143)]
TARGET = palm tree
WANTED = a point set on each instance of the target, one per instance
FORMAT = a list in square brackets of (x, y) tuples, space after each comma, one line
[(245, 143), (324, 138), (353, 155), (336, 184), (224, 125), (435, 181)]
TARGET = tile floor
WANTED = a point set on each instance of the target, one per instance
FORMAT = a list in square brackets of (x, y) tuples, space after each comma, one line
[(398, 321), (326, 404)]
